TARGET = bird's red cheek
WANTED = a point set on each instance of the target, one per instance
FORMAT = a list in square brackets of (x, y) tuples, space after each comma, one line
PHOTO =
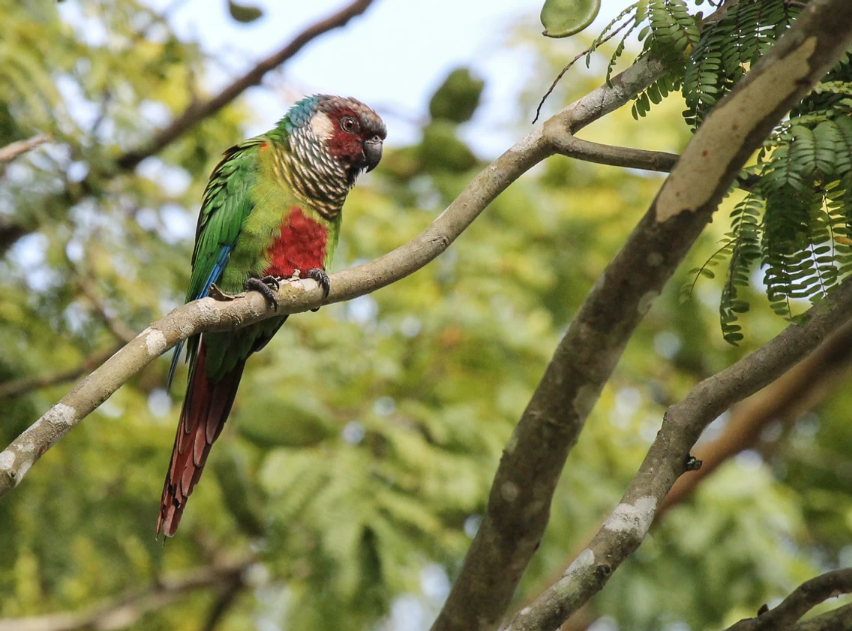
[(345, 146)]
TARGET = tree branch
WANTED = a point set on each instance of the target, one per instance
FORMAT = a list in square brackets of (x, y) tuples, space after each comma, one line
[(224, 601), (13, 150), (519, 503), (18, 387), (573, 147), (785, 399), (200, 110), (299, 296), (800, 602), (10, 232), (683, 423), (839, 619), (130, 607)]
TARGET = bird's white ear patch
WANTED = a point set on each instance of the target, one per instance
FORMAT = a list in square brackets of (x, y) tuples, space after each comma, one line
[(322, 126)]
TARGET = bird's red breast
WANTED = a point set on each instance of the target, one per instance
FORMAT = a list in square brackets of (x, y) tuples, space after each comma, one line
[(300, 246)]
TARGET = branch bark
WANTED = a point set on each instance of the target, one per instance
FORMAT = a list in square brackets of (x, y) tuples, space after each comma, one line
[(10, 232), (130, 607), (800, 602), (202, 109), (683, 423), (519, 503), (839, 619), (13, 150), (784, 400)]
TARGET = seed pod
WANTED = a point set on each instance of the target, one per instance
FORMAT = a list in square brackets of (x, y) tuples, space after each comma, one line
[(562, 18)]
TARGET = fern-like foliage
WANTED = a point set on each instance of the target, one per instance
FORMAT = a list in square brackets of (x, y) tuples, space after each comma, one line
[(796, 220), (726, 50)]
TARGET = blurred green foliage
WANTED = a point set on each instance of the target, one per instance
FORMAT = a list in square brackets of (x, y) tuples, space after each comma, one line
[(363, 441)]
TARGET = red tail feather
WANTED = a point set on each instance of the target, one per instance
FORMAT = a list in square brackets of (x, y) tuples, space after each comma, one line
[(202, 418)]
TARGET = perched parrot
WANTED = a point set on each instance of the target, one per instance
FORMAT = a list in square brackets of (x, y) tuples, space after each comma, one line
[(272, 209)]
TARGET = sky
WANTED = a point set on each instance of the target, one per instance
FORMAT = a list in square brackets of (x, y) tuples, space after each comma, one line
[(392, 57)]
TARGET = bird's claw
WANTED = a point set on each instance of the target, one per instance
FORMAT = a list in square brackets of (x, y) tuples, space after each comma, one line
[(266, 287), (322, 280), (272, 281)]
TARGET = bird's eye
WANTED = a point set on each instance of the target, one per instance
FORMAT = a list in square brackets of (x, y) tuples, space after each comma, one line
[(349, 124)]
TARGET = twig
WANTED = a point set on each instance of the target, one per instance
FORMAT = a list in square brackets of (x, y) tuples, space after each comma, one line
[(570, 146), (200, 110), (18, 387), (120, 330), (13, 150), (571, 63), (128, 608), (839, 619), (784, 400), (800, 602), (224, 602)]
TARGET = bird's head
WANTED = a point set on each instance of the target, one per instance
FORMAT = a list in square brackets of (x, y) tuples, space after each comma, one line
[(339, 134)]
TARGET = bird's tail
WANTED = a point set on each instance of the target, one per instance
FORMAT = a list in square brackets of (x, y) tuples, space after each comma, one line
[(205, 410)]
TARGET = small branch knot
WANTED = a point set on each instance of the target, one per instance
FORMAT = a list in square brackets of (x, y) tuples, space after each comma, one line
[(693, 463)]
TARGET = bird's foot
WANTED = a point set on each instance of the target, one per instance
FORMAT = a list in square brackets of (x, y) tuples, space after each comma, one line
[(322, 280), (266, 286), (217, 294)]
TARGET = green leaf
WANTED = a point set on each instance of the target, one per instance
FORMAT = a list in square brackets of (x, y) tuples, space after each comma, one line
[(457, 98), (244, 13)]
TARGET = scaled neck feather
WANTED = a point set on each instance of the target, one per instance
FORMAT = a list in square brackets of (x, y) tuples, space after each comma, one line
[(312, 173)]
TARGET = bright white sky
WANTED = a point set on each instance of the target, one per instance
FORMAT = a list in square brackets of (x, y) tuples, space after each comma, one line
[(392, 57)]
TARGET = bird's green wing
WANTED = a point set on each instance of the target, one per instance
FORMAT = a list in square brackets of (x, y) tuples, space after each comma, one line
[(226, 206)]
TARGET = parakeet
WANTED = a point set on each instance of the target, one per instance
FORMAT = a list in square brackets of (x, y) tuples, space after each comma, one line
[(272, 207)]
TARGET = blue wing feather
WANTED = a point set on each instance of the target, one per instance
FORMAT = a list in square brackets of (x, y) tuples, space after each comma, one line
[(225, 208), (215, 275)]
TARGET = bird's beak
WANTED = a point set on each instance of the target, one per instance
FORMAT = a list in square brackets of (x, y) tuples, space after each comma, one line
[(372, 152)]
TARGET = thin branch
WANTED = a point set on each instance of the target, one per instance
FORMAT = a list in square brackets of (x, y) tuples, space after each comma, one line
[(683, 423), (800, 602), (119, 329), (128, 608), (572, 147), (226, 599), (783, 400), (572, 62), (200, 110), (519, 502), (568, 145), (713, 17), (295, 297), (13, 150), (18, 387), (10, 232), (839, 619)]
